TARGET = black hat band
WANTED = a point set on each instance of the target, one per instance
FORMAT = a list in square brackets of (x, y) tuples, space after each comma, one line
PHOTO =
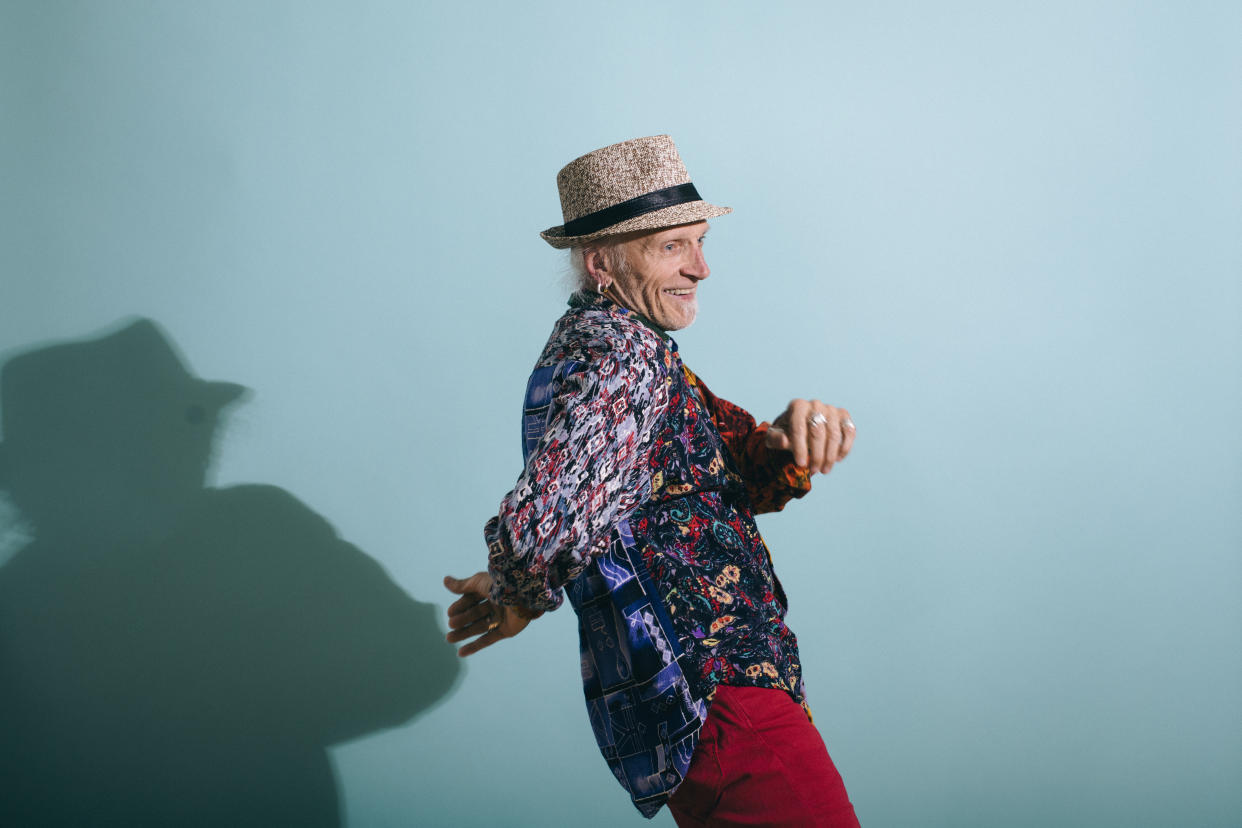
[(643, 204)]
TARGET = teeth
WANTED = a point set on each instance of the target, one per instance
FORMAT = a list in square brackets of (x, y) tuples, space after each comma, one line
[(682, 292)]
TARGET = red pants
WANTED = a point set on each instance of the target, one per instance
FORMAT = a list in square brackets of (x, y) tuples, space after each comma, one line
[(760, 761)]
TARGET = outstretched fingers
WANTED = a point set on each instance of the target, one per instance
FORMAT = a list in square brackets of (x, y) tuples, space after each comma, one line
[(486, 640), (473, 614)]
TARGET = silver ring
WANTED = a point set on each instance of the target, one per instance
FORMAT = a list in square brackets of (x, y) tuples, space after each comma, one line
[(848, 425), (818, 419)]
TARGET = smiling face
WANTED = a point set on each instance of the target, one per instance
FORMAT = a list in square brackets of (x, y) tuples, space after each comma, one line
[(660, 275)]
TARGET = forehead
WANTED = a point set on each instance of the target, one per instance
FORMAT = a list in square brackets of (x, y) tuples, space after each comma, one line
[(681, 232)]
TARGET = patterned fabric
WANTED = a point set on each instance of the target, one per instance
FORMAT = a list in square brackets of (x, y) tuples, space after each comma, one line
[(705, 552), (638, 496), (585, 434)]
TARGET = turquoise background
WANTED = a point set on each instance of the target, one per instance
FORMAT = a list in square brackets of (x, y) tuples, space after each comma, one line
[(1006, 236)]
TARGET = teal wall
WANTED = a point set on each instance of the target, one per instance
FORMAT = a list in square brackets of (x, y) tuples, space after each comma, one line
[(1005, 236)]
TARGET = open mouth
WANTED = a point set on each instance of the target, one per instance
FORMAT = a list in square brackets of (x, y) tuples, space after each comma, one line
[(681, 292)]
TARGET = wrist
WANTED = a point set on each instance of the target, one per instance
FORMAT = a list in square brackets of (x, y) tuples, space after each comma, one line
[(525, 613)]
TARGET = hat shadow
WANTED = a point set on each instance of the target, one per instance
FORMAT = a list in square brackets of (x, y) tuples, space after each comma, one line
[(171, 653)]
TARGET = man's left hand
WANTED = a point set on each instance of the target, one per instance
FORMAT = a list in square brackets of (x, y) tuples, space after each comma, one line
[(475, 614), (817, 434)]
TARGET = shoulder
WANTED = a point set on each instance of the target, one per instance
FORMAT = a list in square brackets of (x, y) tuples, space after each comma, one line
[(601, 336)]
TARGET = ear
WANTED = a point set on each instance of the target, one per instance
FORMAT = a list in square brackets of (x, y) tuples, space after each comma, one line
[(596, 264)]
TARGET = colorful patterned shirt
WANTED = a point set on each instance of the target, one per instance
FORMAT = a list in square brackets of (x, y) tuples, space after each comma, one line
[(638, 498)]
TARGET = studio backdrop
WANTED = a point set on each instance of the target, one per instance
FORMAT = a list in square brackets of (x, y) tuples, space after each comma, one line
[(271, 286)]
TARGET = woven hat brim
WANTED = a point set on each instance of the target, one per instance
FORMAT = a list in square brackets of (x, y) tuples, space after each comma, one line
[(687, 213)]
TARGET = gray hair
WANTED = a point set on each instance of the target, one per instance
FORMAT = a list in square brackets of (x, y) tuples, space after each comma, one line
[(614, 254)]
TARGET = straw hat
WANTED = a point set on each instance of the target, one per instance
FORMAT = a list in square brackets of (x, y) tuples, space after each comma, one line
[(634, 185)]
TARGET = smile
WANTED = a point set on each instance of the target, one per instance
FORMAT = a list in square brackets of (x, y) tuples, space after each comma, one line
[(681, 292)]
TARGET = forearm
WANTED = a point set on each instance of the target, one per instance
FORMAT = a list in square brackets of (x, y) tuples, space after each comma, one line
[(772, 478), (524, 581), (585, 474)]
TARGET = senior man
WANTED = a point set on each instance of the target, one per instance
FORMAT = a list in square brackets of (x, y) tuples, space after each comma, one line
[(638, 499)]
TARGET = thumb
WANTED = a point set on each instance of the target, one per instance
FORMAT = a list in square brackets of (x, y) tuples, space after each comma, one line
[(776, 438), (454, 584)]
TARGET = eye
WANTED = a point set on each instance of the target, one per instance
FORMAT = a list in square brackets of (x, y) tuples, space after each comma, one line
[(670, 247)]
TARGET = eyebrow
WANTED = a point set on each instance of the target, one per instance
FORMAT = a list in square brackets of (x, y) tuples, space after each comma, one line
[(649, 243), (698, 235)]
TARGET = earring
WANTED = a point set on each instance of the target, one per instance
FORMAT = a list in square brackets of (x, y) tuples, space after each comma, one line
[(600, 287)]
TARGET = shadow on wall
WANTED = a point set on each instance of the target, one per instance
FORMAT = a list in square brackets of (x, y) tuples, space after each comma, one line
[(172, 654)]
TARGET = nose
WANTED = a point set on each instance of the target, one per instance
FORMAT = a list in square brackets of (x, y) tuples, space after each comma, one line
[(697, 266)]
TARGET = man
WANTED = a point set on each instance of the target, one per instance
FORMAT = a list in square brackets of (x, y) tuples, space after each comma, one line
[(638, 499)]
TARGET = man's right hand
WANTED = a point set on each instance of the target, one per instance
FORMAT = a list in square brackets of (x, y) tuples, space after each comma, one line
[(475, 614), (817, 434)]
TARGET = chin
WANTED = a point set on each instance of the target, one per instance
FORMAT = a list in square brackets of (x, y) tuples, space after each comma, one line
[(677, 318), (681, 322)]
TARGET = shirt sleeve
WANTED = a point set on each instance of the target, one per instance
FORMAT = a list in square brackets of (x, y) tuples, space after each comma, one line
[(772, 478), (585, 474)]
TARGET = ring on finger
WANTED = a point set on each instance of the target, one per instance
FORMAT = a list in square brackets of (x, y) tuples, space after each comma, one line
[(848, 425), (494, 618), (818, 419)]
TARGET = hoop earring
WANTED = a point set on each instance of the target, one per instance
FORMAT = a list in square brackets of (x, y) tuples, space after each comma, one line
[(600, 287)]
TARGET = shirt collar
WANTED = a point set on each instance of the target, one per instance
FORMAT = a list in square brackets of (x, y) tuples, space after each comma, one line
[(591, 299)]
